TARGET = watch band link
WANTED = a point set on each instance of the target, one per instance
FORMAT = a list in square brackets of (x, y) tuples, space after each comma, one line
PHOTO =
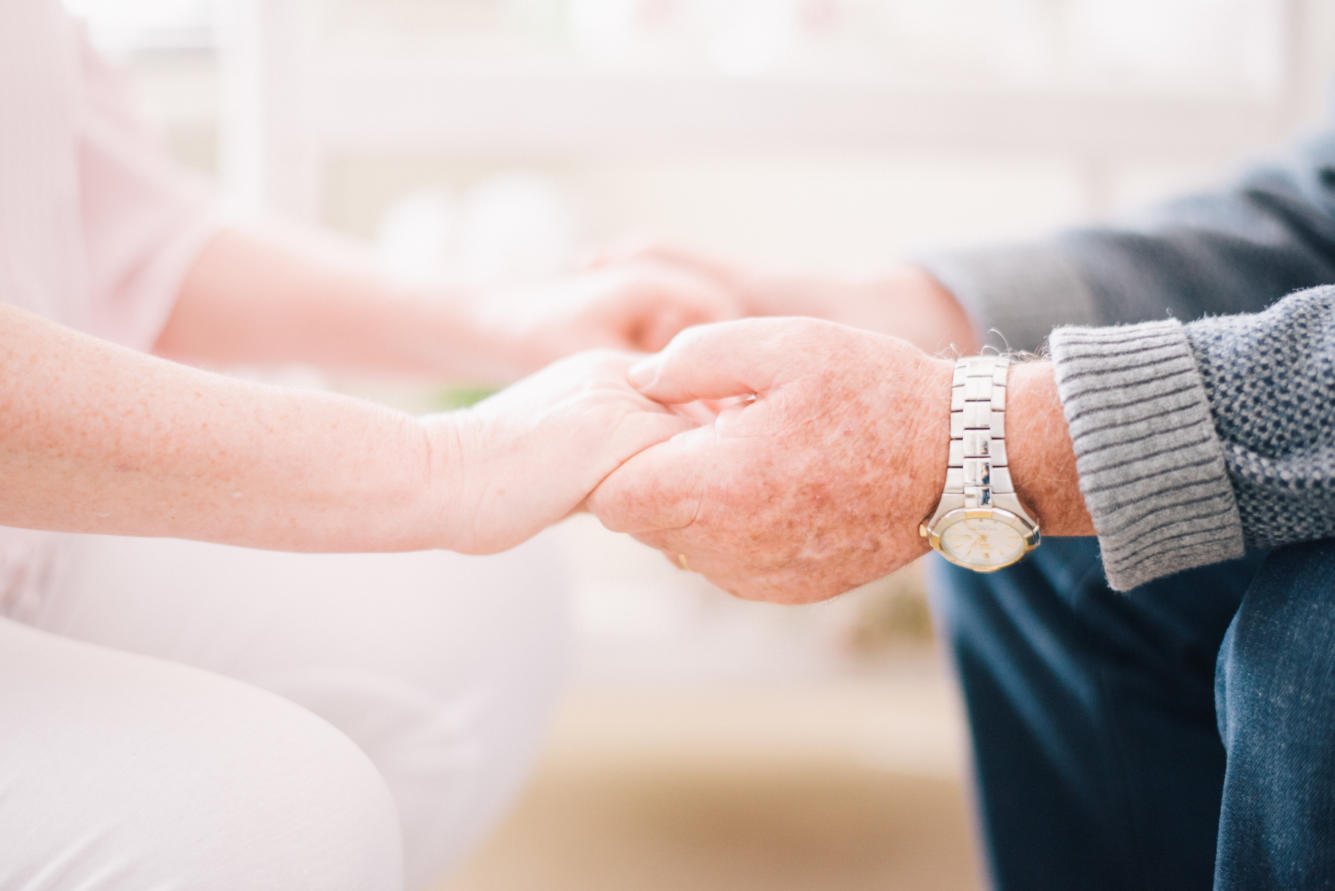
[(977, 467)]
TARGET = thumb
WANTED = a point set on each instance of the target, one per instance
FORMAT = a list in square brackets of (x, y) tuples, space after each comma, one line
[(657, 489), (711, 362)]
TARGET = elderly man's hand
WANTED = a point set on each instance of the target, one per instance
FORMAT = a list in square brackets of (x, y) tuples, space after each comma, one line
[(827, 448)]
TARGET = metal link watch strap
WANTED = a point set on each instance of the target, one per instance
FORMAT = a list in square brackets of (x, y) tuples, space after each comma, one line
[(977, 466)]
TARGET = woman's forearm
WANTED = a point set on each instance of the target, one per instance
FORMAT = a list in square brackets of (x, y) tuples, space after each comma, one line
[(277, 294), (97, 438)]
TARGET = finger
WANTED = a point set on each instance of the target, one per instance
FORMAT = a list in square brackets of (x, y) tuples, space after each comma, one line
[(660, 488), (636, 432), (700, 413), (618, 250), (716, 569), (698, 262), (659, 291), (642, 429), (720, 361)]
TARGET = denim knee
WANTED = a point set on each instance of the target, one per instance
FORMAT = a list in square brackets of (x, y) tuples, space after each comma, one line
[(1275, 699), (1275, 673)]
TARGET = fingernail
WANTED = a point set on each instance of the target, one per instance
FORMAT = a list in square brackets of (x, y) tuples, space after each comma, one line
[(642, 373)]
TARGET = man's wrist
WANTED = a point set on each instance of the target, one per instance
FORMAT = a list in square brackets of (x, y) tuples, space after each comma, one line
[(1042, 458), (930, 444)]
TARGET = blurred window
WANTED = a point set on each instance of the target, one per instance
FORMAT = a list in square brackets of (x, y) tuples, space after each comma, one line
[(120, 27)]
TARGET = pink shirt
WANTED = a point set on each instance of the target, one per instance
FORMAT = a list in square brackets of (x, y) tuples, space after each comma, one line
[(97, 227)]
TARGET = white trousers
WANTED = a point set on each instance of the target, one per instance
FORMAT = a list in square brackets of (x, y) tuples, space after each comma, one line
[(177, 716)]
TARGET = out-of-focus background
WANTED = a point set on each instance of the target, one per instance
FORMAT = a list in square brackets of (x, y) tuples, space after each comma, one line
[(703, 742)]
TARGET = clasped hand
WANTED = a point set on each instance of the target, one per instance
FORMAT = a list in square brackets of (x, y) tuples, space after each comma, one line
[(785, 459), (813, 453)]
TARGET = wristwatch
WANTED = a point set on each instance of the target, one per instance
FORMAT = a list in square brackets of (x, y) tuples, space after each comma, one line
[(980, 523)]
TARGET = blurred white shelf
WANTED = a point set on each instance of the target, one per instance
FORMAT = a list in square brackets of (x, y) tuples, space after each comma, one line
[(390, 108)]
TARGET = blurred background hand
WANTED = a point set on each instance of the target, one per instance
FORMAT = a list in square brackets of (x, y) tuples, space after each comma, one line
[(636, 305), (904, 301)]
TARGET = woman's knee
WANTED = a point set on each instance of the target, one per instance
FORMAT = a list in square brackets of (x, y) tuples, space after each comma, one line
[(298, 805), (467, 662), (175, 778), (441, 668), (259, 794)]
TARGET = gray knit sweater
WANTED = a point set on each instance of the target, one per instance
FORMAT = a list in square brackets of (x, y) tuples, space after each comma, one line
[(1193, 441)]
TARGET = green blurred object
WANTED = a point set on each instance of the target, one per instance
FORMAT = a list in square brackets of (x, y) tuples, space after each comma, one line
[(894, 612), (460, 397)]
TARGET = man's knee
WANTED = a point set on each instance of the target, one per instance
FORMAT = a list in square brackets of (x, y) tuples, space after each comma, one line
[(978, 610), (1277, 662), (1275, 697)]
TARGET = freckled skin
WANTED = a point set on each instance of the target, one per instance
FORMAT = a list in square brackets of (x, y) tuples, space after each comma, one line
[(831, 534), (98, 438), (813, 488)]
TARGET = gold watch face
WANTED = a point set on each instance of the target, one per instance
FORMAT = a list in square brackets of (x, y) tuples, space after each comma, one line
[(984, 540)]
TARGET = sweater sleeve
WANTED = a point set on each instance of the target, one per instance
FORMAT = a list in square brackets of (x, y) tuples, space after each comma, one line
[(1195, 441), (1233, 249)]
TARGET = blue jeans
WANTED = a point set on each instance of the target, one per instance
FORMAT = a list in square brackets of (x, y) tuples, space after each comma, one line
[(1178, 736)]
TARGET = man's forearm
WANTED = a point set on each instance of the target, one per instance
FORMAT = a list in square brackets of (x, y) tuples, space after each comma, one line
[(98, 438), (1179, 445), (1194, 441), (1234, 248), (274, 295)]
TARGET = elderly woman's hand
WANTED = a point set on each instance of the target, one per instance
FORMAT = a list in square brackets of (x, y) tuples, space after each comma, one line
[(529, 455)]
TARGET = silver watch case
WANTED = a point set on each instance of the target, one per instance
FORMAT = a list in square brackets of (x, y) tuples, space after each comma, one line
[(951, 510)]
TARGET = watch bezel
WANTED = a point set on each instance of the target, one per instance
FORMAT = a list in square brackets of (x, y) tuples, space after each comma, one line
[(1028, 532)]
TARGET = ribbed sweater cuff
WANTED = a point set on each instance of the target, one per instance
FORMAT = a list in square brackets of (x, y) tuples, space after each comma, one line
[(1151, 464), (1014, 294)]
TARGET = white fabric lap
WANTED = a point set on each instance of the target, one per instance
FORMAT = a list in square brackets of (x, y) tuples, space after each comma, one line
[(119, 771), (441, 668)]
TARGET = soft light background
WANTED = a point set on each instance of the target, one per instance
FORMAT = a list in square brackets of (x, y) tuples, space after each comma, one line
[(707, 743)]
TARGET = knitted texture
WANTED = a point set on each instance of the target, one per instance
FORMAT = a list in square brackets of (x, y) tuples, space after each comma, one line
[(1270, 378), (1264, 380), (1151, 466)]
